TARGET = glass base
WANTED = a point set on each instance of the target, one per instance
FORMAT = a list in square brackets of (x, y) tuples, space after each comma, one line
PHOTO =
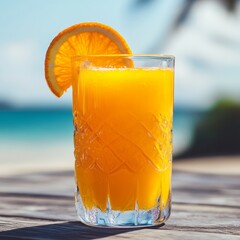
[(122, 219)]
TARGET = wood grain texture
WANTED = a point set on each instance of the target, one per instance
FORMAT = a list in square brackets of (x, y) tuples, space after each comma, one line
[(41, 206)]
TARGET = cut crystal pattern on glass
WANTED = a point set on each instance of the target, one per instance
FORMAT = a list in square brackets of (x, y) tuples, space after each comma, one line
[(105, 153), (123, 140), (109, 147), (131, 218)]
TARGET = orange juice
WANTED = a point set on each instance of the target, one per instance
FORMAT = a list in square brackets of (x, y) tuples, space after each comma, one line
[(122, 138), (122, 110)]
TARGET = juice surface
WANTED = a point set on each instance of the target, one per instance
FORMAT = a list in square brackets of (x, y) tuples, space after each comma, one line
[(123, 122)]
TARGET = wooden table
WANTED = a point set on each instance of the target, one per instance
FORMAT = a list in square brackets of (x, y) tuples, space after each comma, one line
[(41, 206)]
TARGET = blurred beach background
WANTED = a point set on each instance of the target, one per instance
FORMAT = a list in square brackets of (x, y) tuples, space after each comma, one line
[(36, 128)]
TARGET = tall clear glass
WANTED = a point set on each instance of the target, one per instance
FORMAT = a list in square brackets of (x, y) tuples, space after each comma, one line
[(123, 112)]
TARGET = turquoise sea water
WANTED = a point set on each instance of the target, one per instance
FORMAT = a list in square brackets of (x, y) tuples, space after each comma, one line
[(36, 125), (47, 126)]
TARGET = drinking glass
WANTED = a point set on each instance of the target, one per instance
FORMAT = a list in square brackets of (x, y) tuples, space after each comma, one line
[(122, 113)]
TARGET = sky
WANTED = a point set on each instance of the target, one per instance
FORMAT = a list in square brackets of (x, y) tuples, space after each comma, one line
[(206, 44)]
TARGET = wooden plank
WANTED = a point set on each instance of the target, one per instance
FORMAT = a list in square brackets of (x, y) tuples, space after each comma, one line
[(187, 187), (206, 189), (184, 217), (36, 230), (38, 207), (38, 204), (50, 183)]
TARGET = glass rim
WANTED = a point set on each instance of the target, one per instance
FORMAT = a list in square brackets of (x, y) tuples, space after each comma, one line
[(150, 56)]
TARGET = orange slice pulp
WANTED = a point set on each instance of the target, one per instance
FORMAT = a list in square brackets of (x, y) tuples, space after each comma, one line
[(82, 39)]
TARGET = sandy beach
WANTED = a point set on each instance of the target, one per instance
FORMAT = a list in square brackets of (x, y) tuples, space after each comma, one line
[(215, 165), (35, 158)]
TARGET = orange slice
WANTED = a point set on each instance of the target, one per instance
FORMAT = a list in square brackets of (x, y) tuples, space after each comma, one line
[(82, 39)]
